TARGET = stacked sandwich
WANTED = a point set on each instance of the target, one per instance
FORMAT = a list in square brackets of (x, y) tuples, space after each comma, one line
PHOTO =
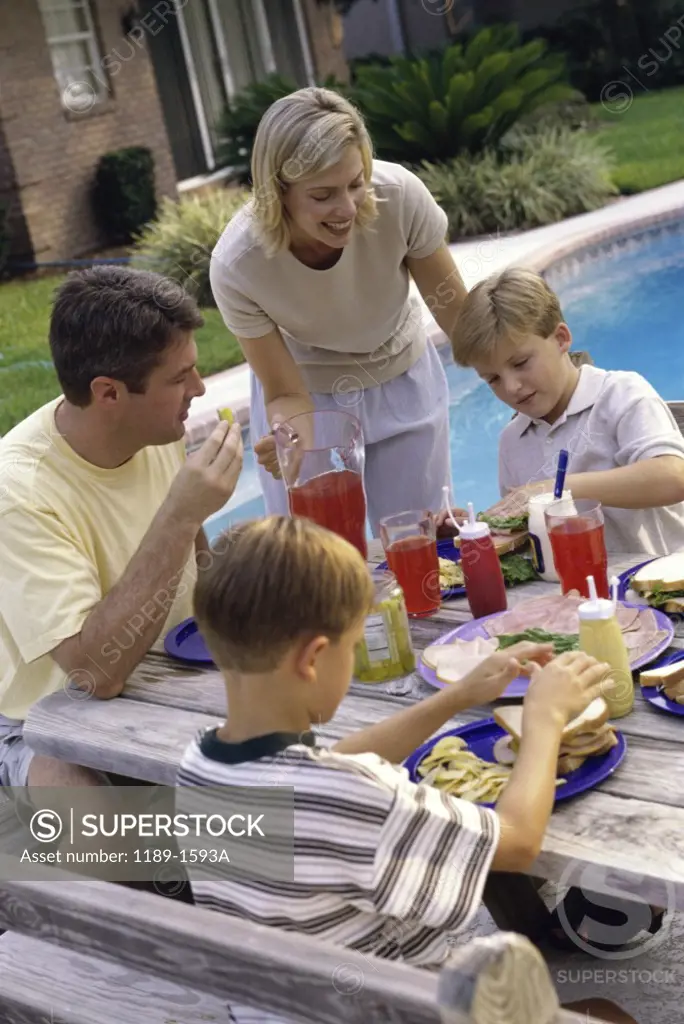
[(669, 677), (585, 736), (661, 583)]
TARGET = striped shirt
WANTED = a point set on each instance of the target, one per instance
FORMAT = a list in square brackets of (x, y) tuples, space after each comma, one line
[(381, 865)]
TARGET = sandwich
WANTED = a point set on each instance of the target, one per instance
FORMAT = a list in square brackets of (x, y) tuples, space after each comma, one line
[(661, 583), (587, 735), (506, 525), (669, 677)]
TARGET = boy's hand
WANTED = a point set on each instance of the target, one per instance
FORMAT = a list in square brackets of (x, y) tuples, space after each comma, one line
[(565, 687), (488, 681), (516, 501)]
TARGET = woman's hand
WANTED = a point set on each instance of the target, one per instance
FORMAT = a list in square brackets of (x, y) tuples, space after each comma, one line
[(445, 528), (489, 680), (265, 451)]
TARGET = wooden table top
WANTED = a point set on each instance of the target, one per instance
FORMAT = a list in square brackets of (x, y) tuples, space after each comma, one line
[(627, 832)]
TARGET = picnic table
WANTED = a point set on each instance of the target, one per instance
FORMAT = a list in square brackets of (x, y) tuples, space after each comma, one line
[(624, 833)]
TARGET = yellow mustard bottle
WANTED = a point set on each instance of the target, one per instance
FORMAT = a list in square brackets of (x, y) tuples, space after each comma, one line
[(600, 635)]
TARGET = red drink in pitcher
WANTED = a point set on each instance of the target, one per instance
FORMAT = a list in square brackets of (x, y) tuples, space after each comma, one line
[(337, 501), (413, 560), (580, 551)]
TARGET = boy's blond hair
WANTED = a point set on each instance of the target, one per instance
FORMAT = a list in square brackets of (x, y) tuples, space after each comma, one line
[(300, 135), (505, 306), (274, 581)]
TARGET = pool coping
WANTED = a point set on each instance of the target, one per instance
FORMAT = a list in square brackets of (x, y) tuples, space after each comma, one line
[(540, 259)]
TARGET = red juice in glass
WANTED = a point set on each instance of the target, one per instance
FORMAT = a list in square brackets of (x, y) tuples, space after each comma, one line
[(413, 560), (580, 551), (337, 501)]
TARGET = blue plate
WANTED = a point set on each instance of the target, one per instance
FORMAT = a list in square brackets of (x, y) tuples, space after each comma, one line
[(445, 549), (654, 694), (481, 737), (186, 642)]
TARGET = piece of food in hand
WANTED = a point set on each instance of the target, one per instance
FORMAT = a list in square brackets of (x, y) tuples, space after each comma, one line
[(226, 414), (451, 662), (661, 583), (669, 677), (450, 574), (587, 735), (505, 524)]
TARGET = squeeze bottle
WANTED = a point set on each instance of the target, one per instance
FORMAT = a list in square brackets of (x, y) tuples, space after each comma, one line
[(484, 582), (600, 635), (542, 553)]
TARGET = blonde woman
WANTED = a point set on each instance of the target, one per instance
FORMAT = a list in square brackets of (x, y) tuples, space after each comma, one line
[(313, 276)]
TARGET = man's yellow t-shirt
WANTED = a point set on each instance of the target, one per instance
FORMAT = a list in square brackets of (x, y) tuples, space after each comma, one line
[(68, 530)]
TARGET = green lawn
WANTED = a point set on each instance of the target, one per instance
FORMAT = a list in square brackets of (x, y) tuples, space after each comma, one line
[(27, 378), (647, 139)]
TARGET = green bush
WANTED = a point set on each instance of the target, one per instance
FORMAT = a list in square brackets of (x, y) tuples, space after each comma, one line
[(462, 100), (180, 242), (238, 124), (124, 193), (536, 178)]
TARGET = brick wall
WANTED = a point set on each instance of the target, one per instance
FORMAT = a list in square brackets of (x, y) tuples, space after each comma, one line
[(326, 35), (54, 154)]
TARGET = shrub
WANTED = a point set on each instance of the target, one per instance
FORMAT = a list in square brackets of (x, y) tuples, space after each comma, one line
[(536, 178), (124, 192), (462, 100), (180, 242), (238, 124)]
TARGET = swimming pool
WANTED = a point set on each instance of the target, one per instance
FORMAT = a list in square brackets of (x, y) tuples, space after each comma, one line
[(622, 301)]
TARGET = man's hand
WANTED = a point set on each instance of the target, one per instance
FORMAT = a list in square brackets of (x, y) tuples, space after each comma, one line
[(209, 476), (488, 681)]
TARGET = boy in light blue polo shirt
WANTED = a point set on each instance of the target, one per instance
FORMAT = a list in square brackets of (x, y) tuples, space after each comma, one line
[(625, 448)]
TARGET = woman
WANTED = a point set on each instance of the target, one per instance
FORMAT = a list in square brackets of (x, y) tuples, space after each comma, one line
[(313, 277)]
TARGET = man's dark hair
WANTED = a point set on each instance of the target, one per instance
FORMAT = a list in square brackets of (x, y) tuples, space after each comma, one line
[(115, 322)]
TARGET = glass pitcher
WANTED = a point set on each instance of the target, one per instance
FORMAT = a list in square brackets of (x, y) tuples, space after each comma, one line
[(321, 457)]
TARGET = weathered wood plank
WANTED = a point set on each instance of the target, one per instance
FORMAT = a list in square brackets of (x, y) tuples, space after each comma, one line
[(226, 959), (301, 978), (39, 980)]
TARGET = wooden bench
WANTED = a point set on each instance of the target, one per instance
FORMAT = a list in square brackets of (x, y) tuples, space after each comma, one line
[(90, 952)]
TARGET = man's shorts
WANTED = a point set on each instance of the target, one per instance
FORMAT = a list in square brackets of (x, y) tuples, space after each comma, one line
[(15, 754)]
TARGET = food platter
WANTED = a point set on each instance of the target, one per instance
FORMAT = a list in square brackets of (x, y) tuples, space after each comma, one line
[(481, 737), (654, 694), (652, 632)]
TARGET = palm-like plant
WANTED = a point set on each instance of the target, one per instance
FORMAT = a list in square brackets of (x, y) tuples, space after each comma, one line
[(461, 100)]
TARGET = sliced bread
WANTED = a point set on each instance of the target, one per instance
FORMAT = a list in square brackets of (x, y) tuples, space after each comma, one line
[(665, 675), (666, 573)]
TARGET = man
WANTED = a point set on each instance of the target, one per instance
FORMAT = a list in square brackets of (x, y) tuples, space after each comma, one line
[(100, 511)]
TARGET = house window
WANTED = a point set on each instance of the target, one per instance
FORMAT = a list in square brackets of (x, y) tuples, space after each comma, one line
[(75, 53)]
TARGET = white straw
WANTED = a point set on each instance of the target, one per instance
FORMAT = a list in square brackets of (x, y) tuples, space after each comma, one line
[(445, 495)]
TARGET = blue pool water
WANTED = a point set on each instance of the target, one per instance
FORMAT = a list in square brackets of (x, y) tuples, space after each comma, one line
[(624, 308)]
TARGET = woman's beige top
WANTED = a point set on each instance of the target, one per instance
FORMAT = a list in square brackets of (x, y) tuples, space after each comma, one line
[(354, 324)]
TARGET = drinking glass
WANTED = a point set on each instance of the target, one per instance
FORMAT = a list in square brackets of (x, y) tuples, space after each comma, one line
[(576, 532), (321, 456), (410, 543)]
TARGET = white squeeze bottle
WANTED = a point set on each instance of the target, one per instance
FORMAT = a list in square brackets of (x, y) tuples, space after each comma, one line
[(600, 635), (542, 553)]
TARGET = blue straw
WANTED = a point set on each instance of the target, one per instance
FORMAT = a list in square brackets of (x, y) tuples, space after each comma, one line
[(560, 473)]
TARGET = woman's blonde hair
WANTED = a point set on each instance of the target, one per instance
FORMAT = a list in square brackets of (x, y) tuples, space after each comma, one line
[(272, 582), (300, 135), (505, 306)]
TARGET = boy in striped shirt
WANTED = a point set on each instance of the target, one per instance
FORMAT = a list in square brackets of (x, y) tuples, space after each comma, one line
[(381, 865)]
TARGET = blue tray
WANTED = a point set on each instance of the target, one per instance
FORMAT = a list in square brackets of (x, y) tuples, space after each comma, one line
[(186, 642), (481, 737), (655, 696)]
